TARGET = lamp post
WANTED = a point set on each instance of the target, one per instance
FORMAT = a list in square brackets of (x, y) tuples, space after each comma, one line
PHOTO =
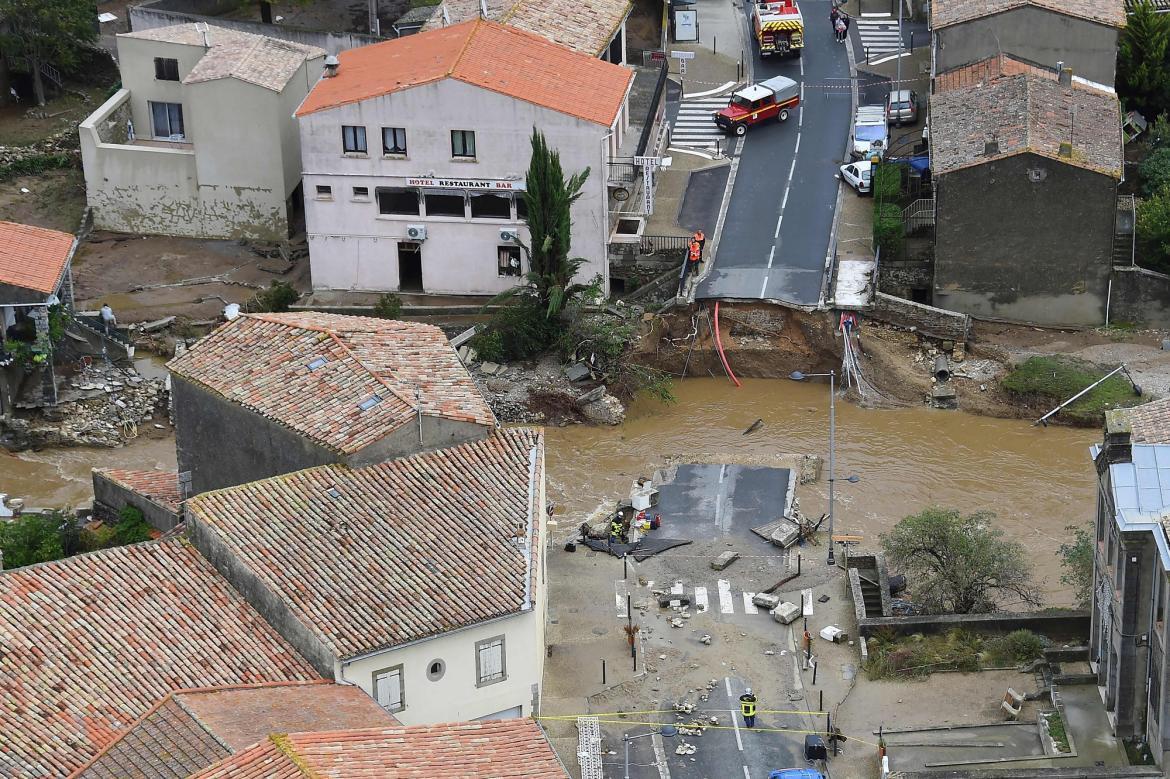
[(667, 731), (798, 376)]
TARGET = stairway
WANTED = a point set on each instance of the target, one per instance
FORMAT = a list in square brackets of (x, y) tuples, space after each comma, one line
[(1123, 231), (113, 336)]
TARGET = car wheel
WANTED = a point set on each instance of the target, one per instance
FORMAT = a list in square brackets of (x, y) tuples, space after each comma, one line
[(783, 114), (741, 129)]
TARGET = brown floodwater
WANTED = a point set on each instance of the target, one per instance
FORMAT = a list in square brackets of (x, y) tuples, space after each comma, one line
[(1036, 480)]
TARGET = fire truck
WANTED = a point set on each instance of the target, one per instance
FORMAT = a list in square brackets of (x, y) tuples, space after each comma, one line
[(779, 27)]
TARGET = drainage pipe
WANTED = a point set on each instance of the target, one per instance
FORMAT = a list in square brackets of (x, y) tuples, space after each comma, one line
[(719, 345), (942, 371)]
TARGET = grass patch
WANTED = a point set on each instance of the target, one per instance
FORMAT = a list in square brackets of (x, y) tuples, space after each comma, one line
[(1055, 725), (892, 656), (39, 163), (1058, 378)]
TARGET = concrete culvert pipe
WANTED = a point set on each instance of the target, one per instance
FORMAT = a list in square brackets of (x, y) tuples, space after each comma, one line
[(942, 370)]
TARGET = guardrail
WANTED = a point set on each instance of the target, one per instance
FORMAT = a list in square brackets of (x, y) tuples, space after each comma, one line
[(919, 215)]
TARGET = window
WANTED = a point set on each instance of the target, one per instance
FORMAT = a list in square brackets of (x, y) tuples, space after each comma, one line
[(394, 140), (436, 669), (509, 261), (166, 69), (521, 207), (490, 206), (361, 193), (168, 120), (388, 689), (324, 192), (353, 139), (441, 203), (463, 143), (396, 200), (489, 661)]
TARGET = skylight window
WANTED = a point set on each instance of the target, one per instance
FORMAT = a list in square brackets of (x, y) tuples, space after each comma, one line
[(333, 493), (370, 402), (317, 363)]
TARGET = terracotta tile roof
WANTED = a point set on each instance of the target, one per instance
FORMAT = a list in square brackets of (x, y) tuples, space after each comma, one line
[(435, 529), (261, 361), (983, 71), (190, 730), (33, 257), (587, 26), (1025, 113), (1148, 423), (485, 54), (256, 59), (501, 749), (160, 486), (89, 643), (947, 12)]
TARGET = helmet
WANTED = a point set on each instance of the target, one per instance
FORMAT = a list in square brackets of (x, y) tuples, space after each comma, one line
[(748, 691)]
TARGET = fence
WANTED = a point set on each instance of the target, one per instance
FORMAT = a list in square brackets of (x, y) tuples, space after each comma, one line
[(654, 115)]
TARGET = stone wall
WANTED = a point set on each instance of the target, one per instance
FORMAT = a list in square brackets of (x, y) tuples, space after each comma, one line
[(164, 13), (898, 277), (1059, 625), (928, 320), (109, 498), (1140, 296)]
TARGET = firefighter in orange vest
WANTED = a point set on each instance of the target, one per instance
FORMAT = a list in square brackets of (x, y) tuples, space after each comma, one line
[(700, 239), (696, 255)]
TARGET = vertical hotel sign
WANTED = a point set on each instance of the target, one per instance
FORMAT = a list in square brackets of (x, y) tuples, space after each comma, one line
[(478, 185)]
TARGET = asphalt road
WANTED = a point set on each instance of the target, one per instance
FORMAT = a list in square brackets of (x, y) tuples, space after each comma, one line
[(729, 751), (777, 231), (707, 502)]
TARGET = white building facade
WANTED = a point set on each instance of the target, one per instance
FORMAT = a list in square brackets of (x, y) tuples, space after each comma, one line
[(420, 188), (200, 140)]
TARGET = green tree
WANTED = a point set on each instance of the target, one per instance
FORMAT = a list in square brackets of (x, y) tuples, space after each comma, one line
[(33, 538), (1153, 231), (45, 32), (549, 197), (1077, 560), (1143, 53), (1155, 171), (958, 564)]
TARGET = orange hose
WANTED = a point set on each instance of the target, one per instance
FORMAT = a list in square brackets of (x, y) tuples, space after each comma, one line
[(719, 345)]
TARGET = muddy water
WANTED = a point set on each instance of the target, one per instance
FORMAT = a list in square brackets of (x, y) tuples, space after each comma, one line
[(1036, 480), (59, 477)]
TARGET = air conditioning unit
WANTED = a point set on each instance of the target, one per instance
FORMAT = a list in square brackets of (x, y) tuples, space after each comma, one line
[(508, 234), (416, 232)]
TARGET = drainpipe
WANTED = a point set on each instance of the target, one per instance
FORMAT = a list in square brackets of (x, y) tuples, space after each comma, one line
[(1154, 587)]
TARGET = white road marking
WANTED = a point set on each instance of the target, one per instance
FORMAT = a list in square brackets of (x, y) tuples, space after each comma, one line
[(879, 36), (735, 724), (701, 604), (784, 202), (714, 91), (800, 118), (764, 287), (778, 221), (746, 775), (772, 253), (806, 596), (660, 757), (694, 124), (676, 588), (791, 169), (726, 604), (620, 590), (727, 684), (890, 57), (802, 66), (796, 150), (748, 606)]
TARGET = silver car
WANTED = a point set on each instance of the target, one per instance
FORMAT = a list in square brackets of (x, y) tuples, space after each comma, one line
[(902, 107)]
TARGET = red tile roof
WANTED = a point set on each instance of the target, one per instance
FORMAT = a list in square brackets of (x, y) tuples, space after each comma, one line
[(585, 25), (947, 12), (983, 71), (160, 486), (89, 643), (485, 54), (501, 749), (189, 730), (33, 257), (1148, 423), (261, 361), (436, 529)]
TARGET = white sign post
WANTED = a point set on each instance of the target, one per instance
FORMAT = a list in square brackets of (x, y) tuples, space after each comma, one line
[(649, 165), (682, 57)]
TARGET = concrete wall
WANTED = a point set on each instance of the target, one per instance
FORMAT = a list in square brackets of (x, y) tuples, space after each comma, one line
[(1140, 296), (1034, 34), (437, 433), (109, 498), (353, 247), (1010, 247), (928, 320), (1057, 625), (164, 13), (266, 602), (229, 178), (223, 444)]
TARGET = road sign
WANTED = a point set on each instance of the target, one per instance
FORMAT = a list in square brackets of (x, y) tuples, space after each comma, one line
[(651, 161), (682, 67), (648, 189), (683, 55)]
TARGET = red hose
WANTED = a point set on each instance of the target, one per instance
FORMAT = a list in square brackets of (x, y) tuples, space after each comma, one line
[(719, 345)]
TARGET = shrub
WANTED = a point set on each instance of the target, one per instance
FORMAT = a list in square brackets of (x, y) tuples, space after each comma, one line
[(38, 163), (1019, 646), (887, 182), (1153, 231), (524, 328), (389, 306), (32, 538), (1155, 171), (131, 528), (278, 297), (888, 232), (488, 345)]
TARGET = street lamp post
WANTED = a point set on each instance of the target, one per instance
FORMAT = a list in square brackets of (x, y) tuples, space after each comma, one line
[(666, 731), (798, 376)]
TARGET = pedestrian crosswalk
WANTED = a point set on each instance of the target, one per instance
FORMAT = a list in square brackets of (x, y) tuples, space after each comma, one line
[(722, 599), (694, 125), (878, 36)]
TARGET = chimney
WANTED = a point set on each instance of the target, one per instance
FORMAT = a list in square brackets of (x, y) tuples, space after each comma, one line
[(991, 146), (1065, 150), (1065, 76), (331, 66)]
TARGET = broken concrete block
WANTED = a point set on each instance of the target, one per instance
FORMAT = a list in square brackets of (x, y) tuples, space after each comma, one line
[(577, 372), (597, 393), (785, 536), (705, 639), (462, 354), (724, 560), (766, 600), (834, 634), (490, 368), (786, 613)]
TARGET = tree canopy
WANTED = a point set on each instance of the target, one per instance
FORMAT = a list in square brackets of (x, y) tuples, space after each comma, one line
[(959, 564), (45, 32), (1143, 60)]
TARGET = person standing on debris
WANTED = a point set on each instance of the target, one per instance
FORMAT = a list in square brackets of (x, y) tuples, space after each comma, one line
[(700, 239), (108, 318), (747, 706), (615, 530)]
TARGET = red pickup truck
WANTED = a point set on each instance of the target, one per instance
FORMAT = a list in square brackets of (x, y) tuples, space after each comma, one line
[(758, 103)]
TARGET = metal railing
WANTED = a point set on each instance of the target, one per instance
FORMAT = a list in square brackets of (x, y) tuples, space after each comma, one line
[(656, 106), (919, 215), (622, 171), (664, 243)]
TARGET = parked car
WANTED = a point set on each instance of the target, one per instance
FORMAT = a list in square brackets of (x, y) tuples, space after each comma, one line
[(871, 134), (858, 175), (902, 107)]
